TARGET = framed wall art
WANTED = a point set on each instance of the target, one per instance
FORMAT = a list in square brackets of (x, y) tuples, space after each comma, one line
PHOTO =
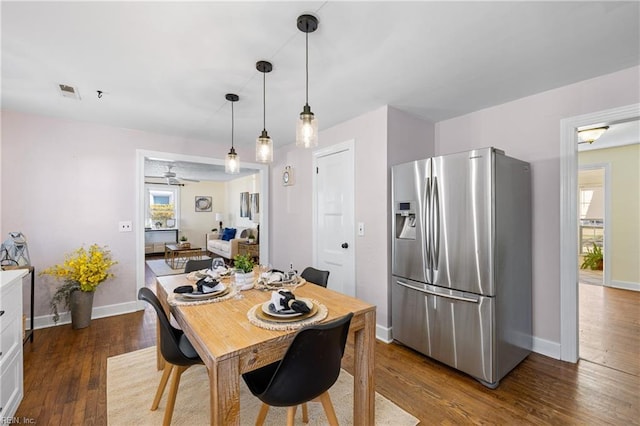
[(204, 203), (244, 204)]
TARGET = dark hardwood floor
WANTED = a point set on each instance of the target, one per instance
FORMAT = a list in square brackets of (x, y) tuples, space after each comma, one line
[(65, 381)]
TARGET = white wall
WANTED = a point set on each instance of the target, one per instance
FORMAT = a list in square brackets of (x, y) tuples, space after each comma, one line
[(250, 184), (195, 224), (67, 183), (375, 133), (529, 129)]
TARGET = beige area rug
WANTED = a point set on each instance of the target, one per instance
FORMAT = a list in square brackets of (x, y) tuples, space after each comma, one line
[(132, 380), (160, 267)]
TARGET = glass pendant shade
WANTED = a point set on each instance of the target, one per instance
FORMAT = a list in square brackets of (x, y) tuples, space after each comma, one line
[(232, 163), (232, 160), (307, 126), (264, 144), (307, 129), (264, 148)]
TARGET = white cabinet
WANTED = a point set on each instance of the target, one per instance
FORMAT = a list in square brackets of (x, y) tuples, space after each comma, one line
[(155, 239), (11, 385)]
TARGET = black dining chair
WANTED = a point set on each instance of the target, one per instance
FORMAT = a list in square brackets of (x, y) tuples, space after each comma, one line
[(308, 369), (315, 276), (196, 265), (176, 350)]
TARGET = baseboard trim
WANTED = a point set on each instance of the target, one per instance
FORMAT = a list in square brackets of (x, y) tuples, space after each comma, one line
[(546, 347), (625, 285), (383, 333), (46, 321)]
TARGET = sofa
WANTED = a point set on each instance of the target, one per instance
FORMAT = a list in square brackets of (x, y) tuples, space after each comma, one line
[(217, 247)]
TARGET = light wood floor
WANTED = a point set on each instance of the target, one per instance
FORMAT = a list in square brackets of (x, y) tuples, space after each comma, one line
[(65, 382), (610, 327)]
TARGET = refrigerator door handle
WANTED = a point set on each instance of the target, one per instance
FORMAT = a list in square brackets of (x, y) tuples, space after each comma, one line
[(435, 293), (436, 224), (426, 259)]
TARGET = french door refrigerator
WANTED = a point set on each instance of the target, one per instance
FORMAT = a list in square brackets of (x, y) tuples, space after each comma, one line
[(461, 260)]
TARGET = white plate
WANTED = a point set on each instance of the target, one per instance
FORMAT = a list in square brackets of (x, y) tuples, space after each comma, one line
[(285, 314), (203, 295)]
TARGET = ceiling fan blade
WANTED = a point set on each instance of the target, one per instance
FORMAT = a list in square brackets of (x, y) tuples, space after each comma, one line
[(155, 177), (189, 180)]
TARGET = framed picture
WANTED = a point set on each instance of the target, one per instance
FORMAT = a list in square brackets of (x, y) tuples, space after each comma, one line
[(204, 203), (254, 207), (244, 204)]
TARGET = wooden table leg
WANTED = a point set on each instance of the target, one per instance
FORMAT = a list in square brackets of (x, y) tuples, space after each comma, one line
[(363, 381), (224, 382)]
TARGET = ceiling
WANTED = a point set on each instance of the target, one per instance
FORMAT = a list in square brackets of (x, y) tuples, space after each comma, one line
[(165, 67), (190, 170)]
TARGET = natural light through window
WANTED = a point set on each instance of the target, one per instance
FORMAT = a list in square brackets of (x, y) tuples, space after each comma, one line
[(586, 195), (161, 208)]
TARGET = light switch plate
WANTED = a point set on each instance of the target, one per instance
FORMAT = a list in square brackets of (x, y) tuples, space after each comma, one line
[(361, 229)]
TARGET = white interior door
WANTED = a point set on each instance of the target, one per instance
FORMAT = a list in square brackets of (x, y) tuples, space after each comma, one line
[(334, 222)]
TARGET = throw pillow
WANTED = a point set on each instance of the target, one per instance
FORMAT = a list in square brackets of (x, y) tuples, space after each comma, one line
[(228, 234)]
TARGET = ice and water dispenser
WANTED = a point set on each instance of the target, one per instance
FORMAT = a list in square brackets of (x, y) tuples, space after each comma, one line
[(405, 217)]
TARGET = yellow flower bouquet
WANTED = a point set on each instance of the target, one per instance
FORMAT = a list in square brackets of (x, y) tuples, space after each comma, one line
[(82, 270)]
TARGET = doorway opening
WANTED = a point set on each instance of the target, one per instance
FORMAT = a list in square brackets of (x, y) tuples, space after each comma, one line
[(592, 192), (569, 331), (209, 213)]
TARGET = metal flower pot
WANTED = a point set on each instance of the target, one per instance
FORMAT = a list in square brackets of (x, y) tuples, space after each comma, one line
[(81, 307)]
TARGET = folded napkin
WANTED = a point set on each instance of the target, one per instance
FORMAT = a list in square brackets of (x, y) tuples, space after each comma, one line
[(284, 300), (203, 286), (209, 285)]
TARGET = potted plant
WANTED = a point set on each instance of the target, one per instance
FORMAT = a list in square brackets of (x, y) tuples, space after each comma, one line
[(183, 242), (244, 275), (81, 273), (251, 238), (594, 259)]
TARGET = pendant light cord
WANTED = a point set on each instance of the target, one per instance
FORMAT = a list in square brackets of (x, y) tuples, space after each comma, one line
[(232, 125), (307, 66), (264, 101)]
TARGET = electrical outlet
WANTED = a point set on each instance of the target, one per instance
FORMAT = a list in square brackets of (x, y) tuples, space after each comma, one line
[(361, 229), (125, 226)]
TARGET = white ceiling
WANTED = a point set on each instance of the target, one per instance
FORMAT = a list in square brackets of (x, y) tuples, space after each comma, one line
[(165, 66)]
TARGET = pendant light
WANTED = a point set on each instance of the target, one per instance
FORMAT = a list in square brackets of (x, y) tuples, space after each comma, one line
[(307, 127), (264, 144), (232, 161)]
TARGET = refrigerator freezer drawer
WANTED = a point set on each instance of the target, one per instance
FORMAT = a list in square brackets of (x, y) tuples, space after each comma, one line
[(452, 327)]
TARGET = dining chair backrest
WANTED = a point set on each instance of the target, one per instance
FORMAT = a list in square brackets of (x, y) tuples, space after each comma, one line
[(315, 276), (310, 366), (196, 265), (174, 345)]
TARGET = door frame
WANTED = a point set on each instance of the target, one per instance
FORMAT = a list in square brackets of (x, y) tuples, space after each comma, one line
[(349, 146), (569, 219)]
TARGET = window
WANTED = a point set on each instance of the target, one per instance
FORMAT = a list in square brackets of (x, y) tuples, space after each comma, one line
[(162, 203), (586, 194)]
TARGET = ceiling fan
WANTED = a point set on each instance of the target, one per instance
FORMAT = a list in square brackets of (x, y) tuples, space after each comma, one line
[(171, 177)]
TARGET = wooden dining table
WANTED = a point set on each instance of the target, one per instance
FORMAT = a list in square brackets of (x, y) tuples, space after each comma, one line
[(230, 345)]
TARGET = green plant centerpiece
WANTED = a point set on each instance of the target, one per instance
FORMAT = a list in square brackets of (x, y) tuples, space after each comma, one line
[(183, 238), (244, 263), (244, 275), (593, 259), (82, 272)]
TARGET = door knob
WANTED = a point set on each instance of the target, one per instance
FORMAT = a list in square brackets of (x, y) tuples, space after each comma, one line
[(344, 245)]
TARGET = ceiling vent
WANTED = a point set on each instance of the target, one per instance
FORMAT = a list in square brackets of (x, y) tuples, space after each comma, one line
[(69, 91)]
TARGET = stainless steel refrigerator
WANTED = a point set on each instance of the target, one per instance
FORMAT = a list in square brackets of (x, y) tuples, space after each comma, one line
[(461, 260)]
